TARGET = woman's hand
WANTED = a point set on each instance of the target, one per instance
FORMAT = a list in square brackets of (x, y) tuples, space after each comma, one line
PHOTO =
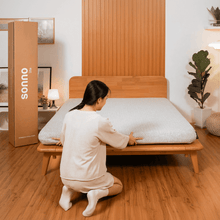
[(132, 139), (59, 142)]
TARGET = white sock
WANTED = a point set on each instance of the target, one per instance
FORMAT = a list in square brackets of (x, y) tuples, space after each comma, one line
[(65, 198), (93, 197)]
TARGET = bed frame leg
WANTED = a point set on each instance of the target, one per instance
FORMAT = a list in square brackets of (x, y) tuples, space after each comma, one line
[(194, 159), (46, 160)]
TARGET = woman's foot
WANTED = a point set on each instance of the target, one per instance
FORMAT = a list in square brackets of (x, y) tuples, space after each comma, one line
[(93, 197), (65, 198)]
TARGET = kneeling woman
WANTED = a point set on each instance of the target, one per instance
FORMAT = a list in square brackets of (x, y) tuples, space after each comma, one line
[(84, 137)]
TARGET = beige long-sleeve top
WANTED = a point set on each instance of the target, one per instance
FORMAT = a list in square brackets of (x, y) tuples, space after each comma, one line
[(84, 137)]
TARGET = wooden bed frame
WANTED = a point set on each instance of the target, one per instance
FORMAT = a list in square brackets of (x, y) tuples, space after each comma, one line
[(127, 87)]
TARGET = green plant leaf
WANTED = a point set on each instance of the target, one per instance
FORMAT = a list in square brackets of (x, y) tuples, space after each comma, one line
[(205, 97), (192, 65), (194, 74), (196, 83), (193, 88), (208, 69), (193, 95)]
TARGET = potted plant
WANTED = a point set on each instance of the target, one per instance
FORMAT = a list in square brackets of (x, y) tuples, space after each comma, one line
[(196, 89), (216, 15), (44, 101)]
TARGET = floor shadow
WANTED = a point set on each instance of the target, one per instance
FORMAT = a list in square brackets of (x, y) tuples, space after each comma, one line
[(141, 160)]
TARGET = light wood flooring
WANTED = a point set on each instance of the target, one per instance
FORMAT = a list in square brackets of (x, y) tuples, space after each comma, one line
[(155, 187)]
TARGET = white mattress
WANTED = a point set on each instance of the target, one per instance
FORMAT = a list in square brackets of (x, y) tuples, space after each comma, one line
[(154, 119)]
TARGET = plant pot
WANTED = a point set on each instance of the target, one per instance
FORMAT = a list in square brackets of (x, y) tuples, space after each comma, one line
[(200, 116), (45, 106)]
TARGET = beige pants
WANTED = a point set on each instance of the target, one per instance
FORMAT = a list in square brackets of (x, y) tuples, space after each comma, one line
[(104, 182)]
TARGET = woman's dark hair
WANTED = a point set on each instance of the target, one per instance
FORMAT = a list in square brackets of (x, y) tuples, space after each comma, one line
[(94, 90)]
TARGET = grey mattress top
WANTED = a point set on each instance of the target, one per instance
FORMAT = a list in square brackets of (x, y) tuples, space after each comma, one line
[(154, 119)]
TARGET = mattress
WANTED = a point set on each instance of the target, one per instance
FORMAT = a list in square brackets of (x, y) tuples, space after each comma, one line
[(155, 119)]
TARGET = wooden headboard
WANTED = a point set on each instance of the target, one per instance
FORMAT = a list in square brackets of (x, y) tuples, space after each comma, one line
[(122, 86)]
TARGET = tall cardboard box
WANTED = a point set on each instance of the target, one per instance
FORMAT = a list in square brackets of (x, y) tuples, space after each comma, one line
[(23, 82)]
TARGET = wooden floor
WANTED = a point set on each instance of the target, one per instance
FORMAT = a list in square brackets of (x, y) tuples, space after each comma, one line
[(155, 187)]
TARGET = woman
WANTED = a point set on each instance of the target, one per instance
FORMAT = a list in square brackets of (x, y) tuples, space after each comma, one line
[(84, 137)]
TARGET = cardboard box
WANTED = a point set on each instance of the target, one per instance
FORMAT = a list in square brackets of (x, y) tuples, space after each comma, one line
[(23, 82)]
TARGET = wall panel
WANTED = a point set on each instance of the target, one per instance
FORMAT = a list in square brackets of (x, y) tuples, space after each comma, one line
[(123, 37)]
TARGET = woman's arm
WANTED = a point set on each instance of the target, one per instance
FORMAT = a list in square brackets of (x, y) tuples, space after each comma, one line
[(107, 134)]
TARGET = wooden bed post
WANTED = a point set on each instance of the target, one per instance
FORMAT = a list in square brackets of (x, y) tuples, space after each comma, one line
[(194, 159), (46, 160)]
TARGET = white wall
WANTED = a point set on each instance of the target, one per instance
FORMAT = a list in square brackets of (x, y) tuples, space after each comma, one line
[(185, 35)]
